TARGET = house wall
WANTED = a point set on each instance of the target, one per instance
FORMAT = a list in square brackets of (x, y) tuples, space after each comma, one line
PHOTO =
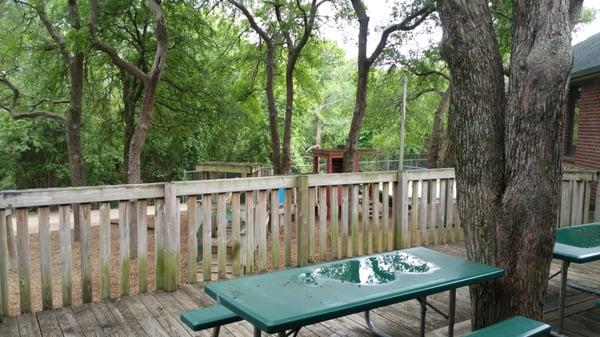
[(587, 151)]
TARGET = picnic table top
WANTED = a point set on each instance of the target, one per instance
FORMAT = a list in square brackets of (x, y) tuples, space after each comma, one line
[(578, 244), (293, 298)]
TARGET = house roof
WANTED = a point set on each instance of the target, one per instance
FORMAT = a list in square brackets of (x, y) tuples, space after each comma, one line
[(586, 57)]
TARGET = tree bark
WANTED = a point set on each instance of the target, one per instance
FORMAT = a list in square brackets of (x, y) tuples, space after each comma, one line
[(507, 149), (435, 139)]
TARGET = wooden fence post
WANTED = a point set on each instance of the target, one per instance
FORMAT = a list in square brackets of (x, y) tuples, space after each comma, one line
[(401, 214), (171, 256), (3, 265), (302, 222)]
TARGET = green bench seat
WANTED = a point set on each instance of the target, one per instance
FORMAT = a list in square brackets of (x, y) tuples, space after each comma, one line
[(209, 317), (515, 327), (598, 304)]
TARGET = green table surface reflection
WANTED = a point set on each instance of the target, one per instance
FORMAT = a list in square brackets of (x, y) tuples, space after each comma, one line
[(293, 298), (578, 244)]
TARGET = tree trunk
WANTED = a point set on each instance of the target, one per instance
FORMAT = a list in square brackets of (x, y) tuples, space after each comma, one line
[(132, 92), (507, 154), (289, 111), (273, 121), (435, 139), (361, 94)]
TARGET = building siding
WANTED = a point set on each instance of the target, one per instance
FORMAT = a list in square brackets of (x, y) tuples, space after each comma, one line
[(587, 150)]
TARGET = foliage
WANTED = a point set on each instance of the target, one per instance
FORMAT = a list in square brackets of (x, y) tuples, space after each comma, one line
[(210, 104)]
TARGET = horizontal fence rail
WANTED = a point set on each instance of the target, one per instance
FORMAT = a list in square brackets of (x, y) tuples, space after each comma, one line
[(136, 238)]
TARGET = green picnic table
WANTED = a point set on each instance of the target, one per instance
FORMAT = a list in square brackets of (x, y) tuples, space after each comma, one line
[(575, 244), (290, 299)]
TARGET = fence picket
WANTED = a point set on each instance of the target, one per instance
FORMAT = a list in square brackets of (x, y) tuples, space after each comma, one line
[(23, 260), (45, 257), (346, 245), (142, 244), (159, 242), (287, 226), (261, 230), (235, 233), (124, 247), (423, 221), (414, 229), (322, 222), (250, 233), (4, 301), (302, 221), (207, 237), (385, 216), (354, 222), (312, 198), (105, 251), (222, 235), (367, 231), (274, 217), (192, 238), (85, 251), (64, 220), (334, 230)]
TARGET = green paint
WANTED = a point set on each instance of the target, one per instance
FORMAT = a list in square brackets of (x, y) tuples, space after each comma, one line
[(125, 276), (371, 270), (105, 280), (516, 326), (258, 299), (578, 244), (580, 236), (142, 274), (160, 270)]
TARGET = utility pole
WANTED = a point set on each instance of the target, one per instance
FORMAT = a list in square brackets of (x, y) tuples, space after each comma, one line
[(402, 125)]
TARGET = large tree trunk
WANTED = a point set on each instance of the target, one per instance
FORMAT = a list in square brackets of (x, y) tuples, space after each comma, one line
[(132, 93), (361, 92), (507, 151), (289, 111), (271, 105), (434, 145)]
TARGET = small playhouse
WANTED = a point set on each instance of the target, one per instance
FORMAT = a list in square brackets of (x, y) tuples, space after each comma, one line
[(334, 159)]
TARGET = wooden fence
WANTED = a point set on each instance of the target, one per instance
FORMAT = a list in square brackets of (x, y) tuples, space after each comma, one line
[(241, 223)]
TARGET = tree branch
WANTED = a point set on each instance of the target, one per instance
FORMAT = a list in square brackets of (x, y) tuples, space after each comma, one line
[(410, 22), (261, 32), (574, 12), (33, 114), (40, 9), (109, 51)]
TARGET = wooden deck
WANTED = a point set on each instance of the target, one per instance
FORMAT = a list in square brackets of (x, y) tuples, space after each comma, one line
[(157, 314)]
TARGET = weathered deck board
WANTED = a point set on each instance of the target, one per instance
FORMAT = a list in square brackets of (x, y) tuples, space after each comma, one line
[(157, 314)]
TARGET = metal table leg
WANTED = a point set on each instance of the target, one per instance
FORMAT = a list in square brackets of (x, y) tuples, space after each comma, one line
[(423, 302), (562, 296), (451, 312), (372, 327), (216, 331), (257, 332)]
